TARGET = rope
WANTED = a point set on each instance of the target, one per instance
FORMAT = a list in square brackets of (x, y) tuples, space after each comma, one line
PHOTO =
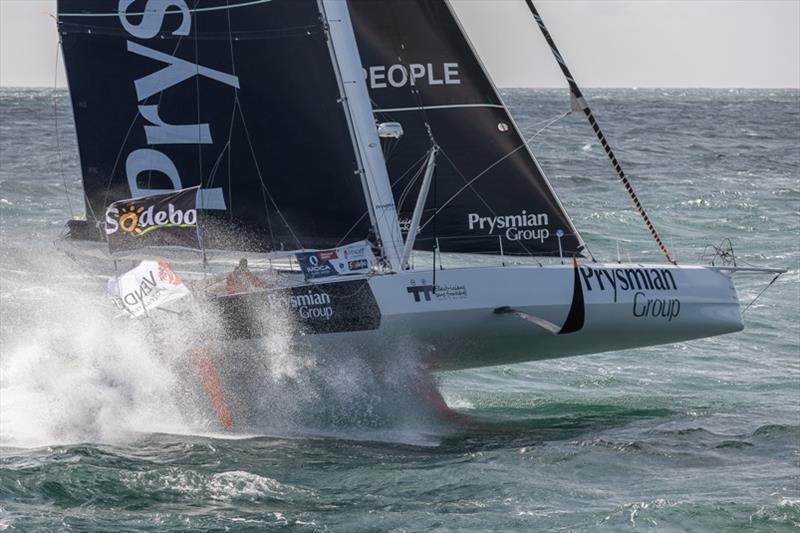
[(579, 104), (395, 182), (264, 190), (494, 164), (58, 135), (762, 292)]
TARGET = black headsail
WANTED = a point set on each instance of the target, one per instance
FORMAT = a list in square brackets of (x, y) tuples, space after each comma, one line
[(237, 96), (488, 192)]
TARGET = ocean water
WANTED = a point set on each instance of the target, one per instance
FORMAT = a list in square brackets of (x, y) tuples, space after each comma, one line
[(98, 433)]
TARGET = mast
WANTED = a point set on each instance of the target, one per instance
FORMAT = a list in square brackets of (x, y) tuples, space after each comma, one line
[(579, 104), (357, 103)]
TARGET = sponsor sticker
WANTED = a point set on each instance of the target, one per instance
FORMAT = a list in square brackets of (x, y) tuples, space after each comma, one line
[(319, 308), (149, 286), (427, 292), (160, 220), (351, 259), (642, 283)]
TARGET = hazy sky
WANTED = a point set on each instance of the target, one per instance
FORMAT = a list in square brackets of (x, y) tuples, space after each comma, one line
[(607, 43)]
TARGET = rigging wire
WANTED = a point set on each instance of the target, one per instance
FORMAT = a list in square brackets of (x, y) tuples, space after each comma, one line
[(579, 104), (200, 233), (264, 189), (392, 185), (411, 182), (230, 130), (494, 164), (58, 135), (196, 26), (779, 274)]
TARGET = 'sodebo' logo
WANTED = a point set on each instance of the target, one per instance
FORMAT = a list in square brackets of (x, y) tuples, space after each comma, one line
[(640, 281), (139, 221)]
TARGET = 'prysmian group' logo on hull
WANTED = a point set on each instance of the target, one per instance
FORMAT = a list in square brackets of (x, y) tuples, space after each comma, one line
[(522, 227)]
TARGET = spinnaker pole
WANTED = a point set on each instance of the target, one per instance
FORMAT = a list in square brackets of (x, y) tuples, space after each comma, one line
[(579, 104)]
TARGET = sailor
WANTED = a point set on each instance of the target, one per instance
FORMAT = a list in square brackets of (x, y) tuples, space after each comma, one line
[(242, 280)]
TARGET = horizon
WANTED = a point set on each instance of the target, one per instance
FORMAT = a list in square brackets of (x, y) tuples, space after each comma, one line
[(512, 87), (646, 44)]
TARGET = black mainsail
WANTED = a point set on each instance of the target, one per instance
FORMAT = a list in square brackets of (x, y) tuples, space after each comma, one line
[(239, 97), (489, 194)]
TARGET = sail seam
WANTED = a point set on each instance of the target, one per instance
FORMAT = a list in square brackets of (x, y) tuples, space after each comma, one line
[(427, 107), (175, 12)]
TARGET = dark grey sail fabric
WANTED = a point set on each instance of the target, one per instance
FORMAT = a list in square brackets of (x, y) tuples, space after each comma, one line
[(488, 192), (239, 97)]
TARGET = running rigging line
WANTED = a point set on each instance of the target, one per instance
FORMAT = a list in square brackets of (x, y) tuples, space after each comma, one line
[(58, 136), (579, 104)]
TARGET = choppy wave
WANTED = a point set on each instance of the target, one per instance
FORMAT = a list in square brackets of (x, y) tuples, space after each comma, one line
[(99, 432)]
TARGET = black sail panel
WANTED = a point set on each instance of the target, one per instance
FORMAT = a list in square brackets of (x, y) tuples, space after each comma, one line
[(488, 192), (239, 97)]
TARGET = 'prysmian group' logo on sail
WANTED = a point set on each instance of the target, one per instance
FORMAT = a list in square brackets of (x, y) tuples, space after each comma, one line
[(522, 227), (137, 221)]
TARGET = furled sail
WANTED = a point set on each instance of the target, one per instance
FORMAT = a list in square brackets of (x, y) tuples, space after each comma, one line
[(488, 194), (239, 97)]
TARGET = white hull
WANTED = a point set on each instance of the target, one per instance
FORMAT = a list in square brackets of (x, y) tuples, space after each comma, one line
[(458, 326)]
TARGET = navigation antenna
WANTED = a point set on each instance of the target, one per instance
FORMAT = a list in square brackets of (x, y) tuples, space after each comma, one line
[(579, 104)]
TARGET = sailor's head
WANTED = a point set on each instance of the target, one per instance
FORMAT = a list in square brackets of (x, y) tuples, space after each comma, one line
[(242, 264)]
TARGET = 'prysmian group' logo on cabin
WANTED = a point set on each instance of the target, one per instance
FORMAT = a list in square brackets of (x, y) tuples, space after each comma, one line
[(521, 227), (140, 221), (311, 305)]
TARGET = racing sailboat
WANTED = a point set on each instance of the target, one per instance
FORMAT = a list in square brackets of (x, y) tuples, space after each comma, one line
[(336, 141)]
